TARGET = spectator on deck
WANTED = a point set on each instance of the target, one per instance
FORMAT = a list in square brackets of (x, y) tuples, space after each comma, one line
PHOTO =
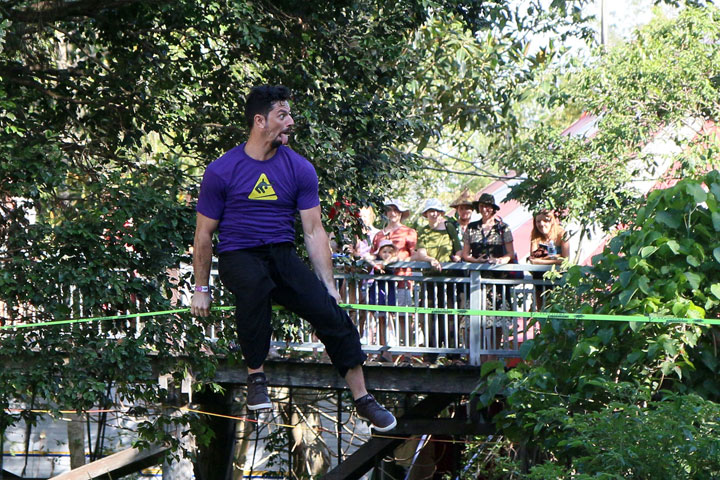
[(383, 292), (437, 243), (361, 250), (464, 207), (548, 246), (548, 242), (489, 240), (437, 239), (405, 239)]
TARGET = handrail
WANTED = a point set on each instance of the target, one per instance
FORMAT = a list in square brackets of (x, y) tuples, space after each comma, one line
[(462, 285), (510, 267)]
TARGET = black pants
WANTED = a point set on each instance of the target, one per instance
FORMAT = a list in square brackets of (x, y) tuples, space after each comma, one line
[(258, 276)]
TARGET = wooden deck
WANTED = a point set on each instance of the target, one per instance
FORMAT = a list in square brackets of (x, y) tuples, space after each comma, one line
[(454, 379)]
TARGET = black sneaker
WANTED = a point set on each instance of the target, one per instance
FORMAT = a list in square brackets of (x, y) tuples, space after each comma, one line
[(257, 392), (369, 409)]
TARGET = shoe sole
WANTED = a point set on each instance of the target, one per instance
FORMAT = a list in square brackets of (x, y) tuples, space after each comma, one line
[(380, 429), (259, 406)]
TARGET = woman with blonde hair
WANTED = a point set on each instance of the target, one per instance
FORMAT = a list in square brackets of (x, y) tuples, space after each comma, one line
[(548, 246), (548, 242)]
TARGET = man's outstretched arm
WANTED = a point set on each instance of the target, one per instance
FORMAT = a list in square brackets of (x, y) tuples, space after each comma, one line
[(318, 247), (202, 261)]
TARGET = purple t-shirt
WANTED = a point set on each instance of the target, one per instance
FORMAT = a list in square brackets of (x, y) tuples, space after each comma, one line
[(256, 201)]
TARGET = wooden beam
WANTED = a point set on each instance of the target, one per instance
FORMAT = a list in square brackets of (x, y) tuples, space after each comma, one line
[(442, 426), (117, 465), (357, 464), (215, 460), (458, 380), (321, 375)]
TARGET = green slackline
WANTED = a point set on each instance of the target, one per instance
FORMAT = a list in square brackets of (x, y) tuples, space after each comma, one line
[(548, 315), (394, 309)]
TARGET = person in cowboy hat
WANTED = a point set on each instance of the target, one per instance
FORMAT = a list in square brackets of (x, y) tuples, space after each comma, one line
[(489, 240), (464, 206)]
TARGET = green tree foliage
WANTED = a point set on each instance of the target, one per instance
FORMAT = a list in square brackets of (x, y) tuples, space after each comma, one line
[(663, 264), (639, 438), (472, 86), (668, 75), (110, 110), (606, 399)]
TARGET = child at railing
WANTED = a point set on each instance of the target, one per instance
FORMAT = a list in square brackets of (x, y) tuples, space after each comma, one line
[(382, 292)]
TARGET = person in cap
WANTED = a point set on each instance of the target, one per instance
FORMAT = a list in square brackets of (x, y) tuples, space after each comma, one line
[(437, 243), (384, 256), (251, 195), (382, 292)]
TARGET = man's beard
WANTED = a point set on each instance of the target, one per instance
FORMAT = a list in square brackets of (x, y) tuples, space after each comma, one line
[(278, 142)]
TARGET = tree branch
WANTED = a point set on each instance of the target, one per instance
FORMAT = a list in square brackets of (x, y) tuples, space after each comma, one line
[(51, 11), (37, 86), (497, 177)]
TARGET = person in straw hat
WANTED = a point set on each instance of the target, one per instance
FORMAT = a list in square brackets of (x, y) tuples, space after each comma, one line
[(464, 208)]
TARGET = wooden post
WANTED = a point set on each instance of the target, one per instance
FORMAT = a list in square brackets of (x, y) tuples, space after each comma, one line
[(215, 461), (179, 467), (290, 437), (475, 336)]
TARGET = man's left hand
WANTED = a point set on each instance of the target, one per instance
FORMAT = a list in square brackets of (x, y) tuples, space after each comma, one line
[(334, 293)]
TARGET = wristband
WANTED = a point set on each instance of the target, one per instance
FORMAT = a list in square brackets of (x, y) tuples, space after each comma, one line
[(202, 288)]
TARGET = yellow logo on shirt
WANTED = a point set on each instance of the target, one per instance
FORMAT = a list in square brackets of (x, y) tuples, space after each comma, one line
[(263, 190)]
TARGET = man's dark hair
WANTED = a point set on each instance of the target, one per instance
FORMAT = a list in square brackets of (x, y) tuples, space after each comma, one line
[(260, 101)]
